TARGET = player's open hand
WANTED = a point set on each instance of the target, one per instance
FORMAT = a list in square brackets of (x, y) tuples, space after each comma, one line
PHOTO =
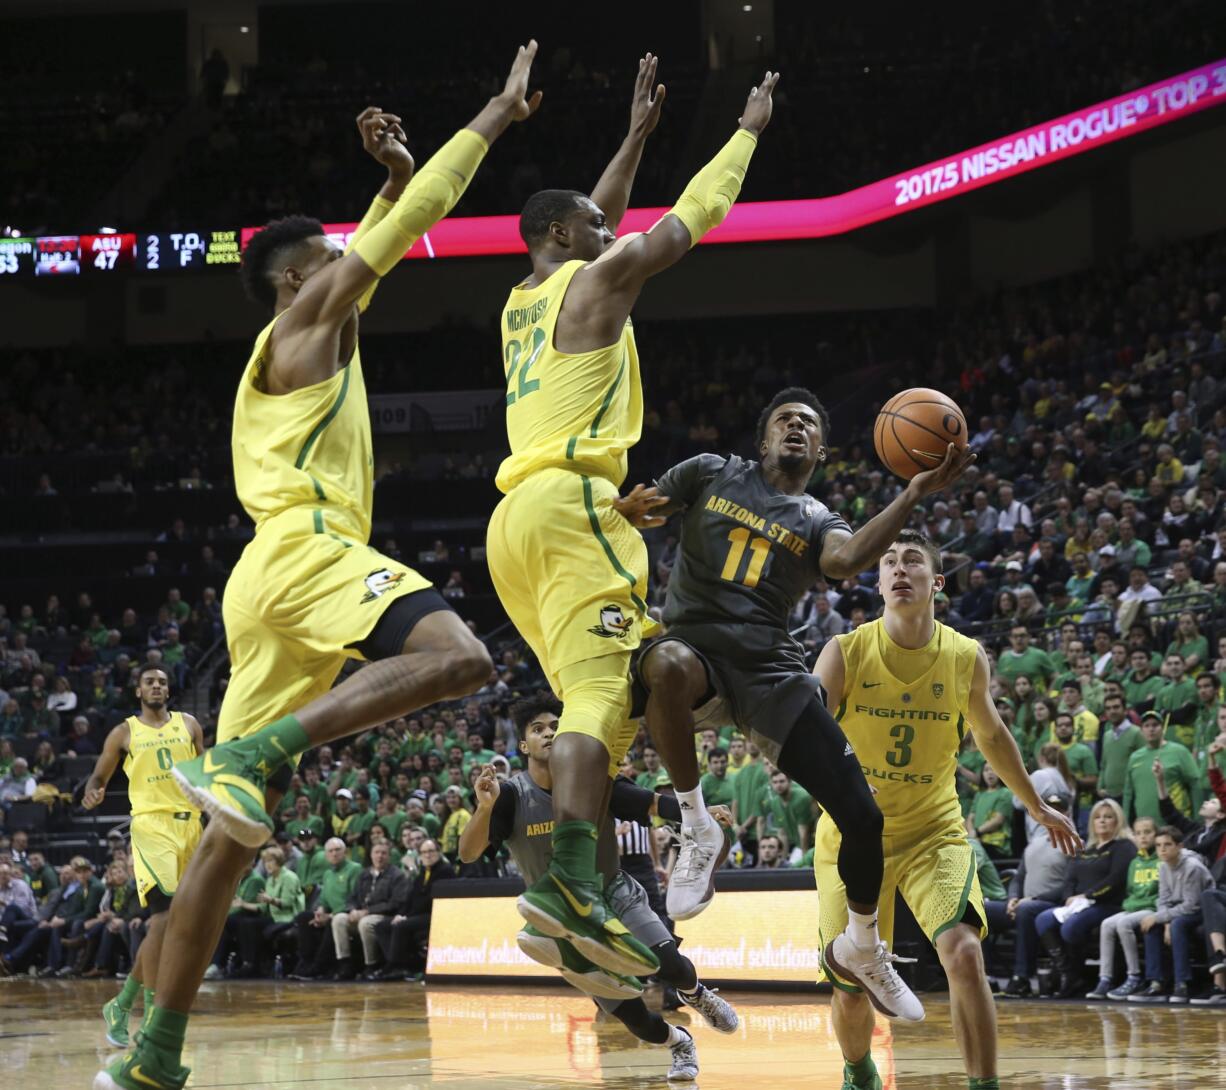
[(758, 109), (721, 814), (955, 463), (648, 98), (637, 507), (1063, 832), (486, 786), (515, 95), (93, 797), (385, 141)]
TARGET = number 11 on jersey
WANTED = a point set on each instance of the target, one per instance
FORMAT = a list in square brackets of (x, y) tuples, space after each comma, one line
[(759, 546)]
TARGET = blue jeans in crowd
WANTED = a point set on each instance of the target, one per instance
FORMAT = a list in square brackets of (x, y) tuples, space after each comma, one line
[(1026, 943), (1183, 933), (1075, 932)]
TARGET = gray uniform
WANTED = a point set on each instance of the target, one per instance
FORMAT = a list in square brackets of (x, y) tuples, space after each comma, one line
[(523, 820), (748, 553)]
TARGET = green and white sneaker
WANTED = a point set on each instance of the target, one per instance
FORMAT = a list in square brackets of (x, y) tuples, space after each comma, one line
[(228, 782), (576, 969), (116, 1019), (140, 1069), (562, 908)]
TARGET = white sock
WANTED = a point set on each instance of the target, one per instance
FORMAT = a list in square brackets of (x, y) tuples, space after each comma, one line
[(693, 810), (863, 928), (676, 1036)]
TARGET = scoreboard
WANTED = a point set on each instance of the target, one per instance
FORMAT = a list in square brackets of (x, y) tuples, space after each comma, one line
[(189, 250)]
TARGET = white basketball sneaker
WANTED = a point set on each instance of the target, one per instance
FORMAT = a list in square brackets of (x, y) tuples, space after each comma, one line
[(684, 1066), (691, 886), (872, 968)]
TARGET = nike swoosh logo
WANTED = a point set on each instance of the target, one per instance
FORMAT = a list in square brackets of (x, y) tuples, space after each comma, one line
[(137, 1074), (581, 909), (211, 766), (870, 684)]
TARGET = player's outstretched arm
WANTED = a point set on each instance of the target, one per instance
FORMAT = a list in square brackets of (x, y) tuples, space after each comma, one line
[(104, 767), (1000, 749), (845, 555), (612, 192), (328, 297), (476, 835), (622, 270)]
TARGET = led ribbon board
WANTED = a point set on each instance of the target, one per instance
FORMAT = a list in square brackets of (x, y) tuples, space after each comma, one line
[(765, 221)]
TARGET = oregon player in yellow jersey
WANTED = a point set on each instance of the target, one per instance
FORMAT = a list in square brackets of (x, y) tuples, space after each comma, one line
[(906, 688), (309, 592), (568, 567), (165, 828)]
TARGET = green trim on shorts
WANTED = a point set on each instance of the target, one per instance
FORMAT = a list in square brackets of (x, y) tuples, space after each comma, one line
[(318, 517), (300, 461), (156, 880), (320, 494), (966, 893), (594, 520)]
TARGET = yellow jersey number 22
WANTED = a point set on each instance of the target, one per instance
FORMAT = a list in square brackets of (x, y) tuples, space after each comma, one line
[(528, 350)]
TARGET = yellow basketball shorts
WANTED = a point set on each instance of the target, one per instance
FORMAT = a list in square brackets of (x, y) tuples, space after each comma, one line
[(298, 601), (572, 575), (934, 870), (162, 844)]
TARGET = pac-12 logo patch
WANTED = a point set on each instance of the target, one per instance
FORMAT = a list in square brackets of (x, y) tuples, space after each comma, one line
[(938, 690), (378, 583), (614, 624)]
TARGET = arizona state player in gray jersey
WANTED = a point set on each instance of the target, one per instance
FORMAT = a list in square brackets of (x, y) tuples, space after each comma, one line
[(519, 813), (752, 542)]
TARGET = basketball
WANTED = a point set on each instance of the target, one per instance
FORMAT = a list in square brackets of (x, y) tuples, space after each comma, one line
[(914, 429)]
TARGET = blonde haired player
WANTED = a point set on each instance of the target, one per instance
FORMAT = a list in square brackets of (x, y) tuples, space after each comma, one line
[(309, 593), (165, 829), (905, 688)]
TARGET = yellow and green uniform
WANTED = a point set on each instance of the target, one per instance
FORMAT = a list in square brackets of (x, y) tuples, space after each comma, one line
[(308, 587), (165, 826), (570, 571), (904, 712)]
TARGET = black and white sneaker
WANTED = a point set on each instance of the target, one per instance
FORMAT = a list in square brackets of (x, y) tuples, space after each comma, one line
[(717, 1012), (1215, 997), (1153, 992), (684, 1066)]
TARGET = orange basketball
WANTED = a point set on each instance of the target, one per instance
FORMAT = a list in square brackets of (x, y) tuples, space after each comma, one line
[(915, 428)]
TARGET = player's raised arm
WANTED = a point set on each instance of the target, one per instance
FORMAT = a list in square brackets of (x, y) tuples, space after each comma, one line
[(476, 835), (998, 746), (845, 555), (627, 264), (104, 767), (612, 192), (329, 296)]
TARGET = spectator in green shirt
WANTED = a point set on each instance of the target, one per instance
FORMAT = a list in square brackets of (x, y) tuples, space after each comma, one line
[(1082, 764), (316, 951), (1177, 701), (1085, 722), (789, 811), (991, 818), (1179, 769), (303, 818), (717, 784), (390, 814), (280, 901), (476, 755), (652, 773), (42, 877), (1081, 580), (1121, 738), (1117, 666), (1190, 645), (415, 742), (1142, 685), (1207, 731), (738, 754), (748, 786), (344, 812), (1021, 658), (243, 904), (1024, 697), (989, 877), (359, 826), (311, 865), (969, 772), (1140, 899)]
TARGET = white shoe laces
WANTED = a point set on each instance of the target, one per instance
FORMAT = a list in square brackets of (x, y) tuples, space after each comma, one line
[(881, 969), (692, 858)]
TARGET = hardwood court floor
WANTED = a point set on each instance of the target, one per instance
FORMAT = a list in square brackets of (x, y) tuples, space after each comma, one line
[(262, 1035)]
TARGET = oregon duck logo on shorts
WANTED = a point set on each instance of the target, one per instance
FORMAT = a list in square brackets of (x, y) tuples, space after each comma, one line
[(938, 690), (380, 582), (614, 624)]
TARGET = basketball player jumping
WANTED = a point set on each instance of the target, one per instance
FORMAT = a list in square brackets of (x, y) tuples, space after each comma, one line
[(905, 688), (309, 592), (569, 569), (752, 542), (519, 813), (165, 829)]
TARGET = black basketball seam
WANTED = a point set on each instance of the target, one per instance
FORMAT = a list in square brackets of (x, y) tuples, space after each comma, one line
[(901, 445), (916, 423)]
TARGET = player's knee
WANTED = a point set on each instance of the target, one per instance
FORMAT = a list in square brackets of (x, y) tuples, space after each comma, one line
[(962, 956), (470, 665), (671, 667)]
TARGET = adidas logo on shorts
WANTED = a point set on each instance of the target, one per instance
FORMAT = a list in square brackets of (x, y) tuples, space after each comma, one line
[(849, 752)]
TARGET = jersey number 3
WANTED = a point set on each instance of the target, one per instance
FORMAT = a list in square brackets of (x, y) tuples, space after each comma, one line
[(904, 735), (533, 345), (740, 537)]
